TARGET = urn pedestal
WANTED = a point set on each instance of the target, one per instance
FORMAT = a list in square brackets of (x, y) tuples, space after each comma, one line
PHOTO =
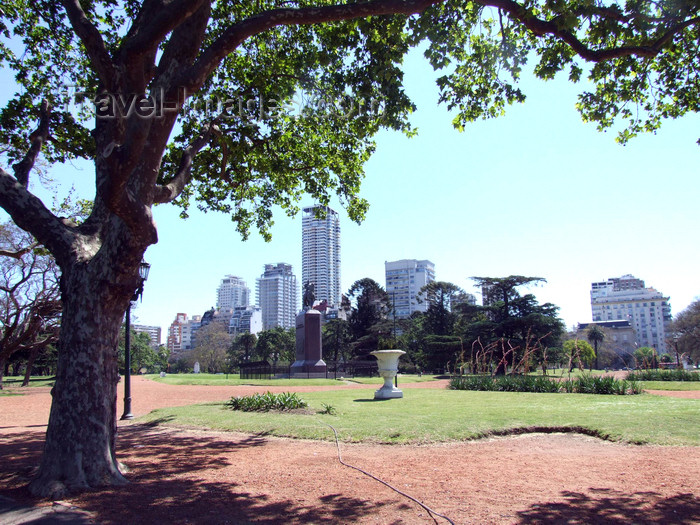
[(388, 362)]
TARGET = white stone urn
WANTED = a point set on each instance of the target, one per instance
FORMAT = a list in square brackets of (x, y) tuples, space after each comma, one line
[(388, 362)]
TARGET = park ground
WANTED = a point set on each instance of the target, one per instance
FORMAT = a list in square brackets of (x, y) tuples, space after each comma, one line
[(191, 476)]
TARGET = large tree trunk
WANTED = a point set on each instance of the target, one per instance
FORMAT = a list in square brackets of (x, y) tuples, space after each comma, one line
[(79, 452)]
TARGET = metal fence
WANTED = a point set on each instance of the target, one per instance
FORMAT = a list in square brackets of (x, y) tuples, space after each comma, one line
[(265, 370)]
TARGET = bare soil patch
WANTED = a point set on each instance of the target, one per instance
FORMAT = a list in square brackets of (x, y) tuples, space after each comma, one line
[(191, 477)]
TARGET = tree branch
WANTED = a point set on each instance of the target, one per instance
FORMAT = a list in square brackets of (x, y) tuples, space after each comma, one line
[(170, 191), (92, 40), (209, 60), (30, 214), (37, 139), (547, 27), (17, 254), (155, 20)]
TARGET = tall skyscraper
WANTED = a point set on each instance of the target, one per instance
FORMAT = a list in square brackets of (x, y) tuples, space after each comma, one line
[(277, 296), (320, 258), (404, 279), (232, 292), (626, 298)]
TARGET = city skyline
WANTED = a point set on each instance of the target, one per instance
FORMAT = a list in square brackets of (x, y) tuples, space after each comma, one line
[(536, 192)]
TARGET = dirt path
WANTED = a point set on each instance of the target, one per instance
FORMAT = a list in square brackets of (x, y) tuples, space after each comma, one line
[(190, 477)]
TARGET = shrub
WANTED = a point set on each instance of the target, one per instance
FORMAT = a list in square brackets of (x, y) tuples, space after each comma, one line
[(484, 383), (663, 375), (539, 384), (267, 401), (600, 385)]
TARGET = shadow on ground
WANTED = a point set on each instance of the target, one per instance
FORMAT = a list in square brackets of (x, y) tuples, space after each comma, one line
[(614, 507), (164, 489)]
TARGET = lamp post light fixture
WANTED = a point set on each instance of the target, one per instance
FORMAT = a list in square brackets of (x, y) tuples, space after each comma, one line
[(144, 268)]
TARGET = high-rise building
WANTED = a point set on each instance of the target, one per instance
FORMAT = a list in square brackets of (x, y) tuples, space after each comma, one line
[(626, 298), (232, 292), (180, 334), (152, 331), (320, 258), (174, 340), (404, 279), (277, 296)]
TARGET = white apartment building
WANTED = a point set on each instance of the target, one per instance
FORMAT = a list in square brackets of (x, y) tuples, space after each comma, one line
[(152, 331), (404, 279), (626, 298), (320, 257), (276, 294), (245, 319), (232, 292)]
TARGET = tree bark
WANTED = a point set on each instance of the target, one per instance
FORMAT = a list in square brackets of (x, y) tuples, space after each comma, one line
[(79, 452)]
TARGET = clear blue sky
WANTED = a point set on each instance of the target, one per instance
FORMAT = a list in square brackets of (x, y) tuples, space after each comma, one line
[(536, 192)]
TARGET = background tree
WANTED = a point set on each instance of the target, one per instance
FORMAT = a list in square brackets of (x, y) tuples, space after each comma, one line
[(513, 323), (595, 335), (439, 317), (143, 354), (150, 150), (369, 315), (243, 345), (336, 342), (645, 357), (441, 353), (579, 353), (181, 366), (30, 305), (412, 340), (276, 344), (684, 333), (211, 346)]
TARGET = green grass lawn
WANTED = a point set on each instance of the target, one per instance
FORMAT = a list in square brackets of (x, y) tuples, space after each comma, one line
[(16, 381), (670, 385), (436, 415), (403, 378), (234, 380)]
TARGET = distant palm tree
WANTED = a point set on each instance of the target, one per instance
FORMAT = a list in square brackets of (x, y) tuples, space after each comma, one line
[(596, 335)]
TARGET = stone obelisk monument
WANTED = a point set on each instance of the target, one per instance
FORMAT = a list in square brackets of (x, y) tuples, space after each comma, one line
[(309, 356)]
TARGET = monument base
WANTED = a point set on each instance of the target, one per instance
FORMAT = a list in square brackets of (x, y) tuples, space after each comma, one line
[(388, 393), (308, 366)]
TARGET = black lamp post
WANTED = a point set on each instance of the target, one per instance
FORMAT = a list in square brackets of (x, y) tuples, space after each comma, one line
[(144, 268)]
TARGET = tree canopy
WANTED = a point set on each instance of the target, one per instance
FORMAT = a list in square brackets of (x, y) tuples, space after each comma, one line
[(30, 306), (440, 297), (685, 332), (371, 306)]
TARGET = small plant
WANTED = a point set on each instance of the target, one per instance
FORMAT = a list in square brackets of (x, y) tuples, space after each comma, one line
[(266, 402), (327, 409)]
